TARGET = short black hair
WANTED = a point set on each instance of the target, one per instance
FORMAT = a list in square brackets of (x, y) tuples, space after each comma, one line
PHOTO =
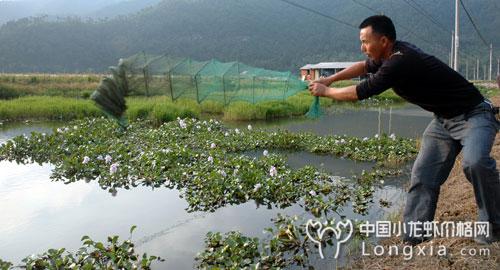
[(380, 24)]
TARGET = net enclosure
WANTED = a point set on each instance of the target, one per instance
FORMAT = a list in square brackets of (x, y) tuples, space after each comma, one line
[(207, 80), (150, 75)]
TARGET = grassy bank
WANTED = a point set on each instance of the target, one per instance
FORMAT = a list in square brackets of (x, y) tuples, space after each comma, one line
[(65, 97), (65, 85), (158, 109)]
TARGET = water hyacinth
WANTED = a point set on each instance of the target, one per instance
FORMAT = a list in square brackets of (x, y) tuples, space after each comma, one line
[(85, 160), (176, 158), (114, 254), (113, 168), (223, 173), (182, 124), (273, 171), (147, 156)]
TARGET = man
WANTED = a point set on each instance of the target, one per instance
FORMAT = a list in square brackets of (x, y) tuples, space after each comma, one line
[(463, 121)]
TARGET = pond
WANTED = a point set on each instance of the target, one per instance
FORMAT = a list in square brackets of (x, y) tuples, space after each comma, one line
[(38, 214)]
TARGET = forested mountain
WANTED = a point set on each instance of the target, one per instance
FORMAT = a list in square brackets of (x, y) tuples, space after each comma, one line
[(270, 34), (11, 10), (16, 9)]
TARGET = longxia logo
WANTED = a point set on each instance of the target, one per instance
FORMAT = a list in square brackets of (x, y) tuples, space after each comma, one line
[(342, 232)]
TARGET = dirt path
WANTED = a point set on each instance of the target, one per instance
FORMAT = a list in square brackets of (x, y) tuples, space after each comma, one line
[(456, 203)]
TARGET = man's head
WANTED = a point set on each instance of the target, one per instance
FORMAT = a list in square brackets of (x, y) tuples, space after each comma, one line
[(377, 36)]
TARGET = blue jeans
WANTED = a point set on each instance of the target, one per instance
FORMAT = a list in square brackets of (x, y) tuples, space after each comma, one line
[(473, 133)]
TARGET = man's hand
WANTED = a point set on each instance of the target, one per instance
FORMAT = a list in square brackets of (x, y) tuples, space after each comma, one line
[(318, 89), (324, 81), (345, 93)]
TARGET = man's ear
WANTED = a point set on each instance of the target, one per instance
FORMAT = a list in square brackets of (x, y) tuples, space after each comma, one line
[(384, 40)]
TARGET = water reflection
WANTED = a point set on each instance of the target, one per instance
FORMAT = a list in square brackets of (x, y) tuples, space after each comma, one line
[(409, 121), (38, 214), (9, 130)]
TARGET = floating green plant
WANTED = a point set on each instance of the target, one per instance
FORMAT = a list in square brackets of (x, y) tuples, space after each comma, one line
[(207, 162), (92, 255)]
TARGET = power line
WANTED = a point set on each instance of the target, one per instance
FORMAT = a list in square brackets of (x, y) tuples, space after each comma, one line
[(318, 13), (409, 31), (440, 47), (422, 11), (366, 6), (473, 24)]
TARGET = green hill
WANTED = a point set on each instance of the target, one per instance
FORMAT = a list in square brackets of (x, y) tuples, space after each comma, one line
[(269, 34)]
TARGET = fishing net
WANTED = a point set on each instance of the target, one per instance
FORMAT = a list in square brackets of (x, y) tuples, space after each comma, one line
[(150, 75)]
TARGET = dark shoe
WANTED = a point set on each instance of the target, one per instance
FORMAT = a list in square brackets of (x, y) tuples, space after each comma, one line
[(413, 241)]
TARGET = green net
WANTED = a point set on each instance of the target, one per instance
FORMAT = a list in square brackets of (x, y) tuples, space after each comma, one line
[(207, 80), (315, 109), (150, 75)]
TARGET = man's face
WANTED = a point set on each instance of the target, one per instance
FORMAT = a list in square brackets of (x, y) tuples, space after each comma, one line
[(372, 44)]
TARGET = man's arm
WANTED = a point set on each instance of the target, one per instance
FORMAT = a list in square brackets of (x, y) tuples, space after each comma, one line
[(353, 71), (345, 93)]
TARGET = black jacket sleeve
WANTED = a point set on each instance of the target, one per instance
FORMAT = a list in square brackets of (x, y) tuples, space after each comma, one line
[(384, 78)]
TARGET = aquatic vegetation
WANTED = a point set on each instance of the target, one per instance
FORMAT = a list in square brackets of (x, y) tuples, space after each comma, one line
[(236, 251), (5, 265), (92, 255), (208, 163), (213, 166), (286, 245)]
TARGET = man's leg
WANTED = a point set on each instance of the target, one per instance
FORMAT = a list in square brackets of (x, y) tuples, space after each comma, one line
[(433, 165), (480, 168)]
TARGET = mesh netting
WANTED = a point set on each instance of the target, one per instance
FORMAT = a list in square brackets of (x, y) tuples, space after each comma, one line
[(149, 75), (207, 80)]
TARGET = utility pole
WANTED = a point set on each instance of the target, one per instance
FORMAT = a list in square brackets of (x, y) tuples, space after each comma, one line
[(484, 73), (498, 66), (491, 59), (473, 71), (455, 58), (477, 69), (467, 69), (452, 47)]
